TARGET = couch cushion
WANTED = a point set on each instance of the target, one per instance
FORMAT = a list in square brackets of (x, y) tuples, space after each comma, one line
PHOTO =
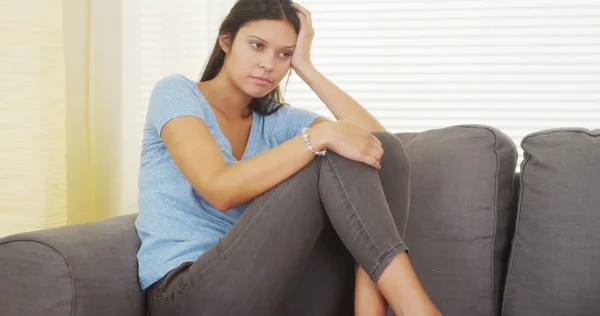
[(554, 265), (88, 269), (34, 280), (459, 222)]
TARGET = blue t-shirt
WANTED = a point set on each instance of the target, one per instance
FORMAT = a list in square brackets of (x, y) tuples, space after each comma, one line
[(175, 223)]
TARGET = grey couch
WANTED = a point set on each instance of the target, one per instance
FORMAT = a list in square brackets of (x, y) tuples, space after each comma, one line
[(484, 239)]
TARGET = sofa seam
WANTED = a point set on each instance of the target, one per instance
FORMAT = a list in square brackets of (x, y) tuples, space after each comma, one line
[(61, 255), (515, 235), (494, 227), (559, 131)]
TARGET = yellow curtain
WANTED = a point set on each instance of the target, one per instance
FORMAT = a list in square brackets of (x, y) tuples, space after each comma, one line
[(47, 172), (32, 116)]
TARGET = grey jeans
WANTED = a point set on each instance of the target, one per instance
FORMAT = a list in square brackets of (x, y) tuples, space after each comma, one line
[(294, 249)]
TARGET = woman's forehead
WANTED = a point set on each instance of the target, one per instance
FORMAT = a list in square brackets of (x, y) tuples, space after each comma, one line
[(274, 32)]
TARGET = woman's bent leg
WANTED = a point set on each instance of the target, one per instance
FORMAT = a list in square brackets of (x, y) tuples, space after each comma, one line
[(360, 206), (255, 266), (399, 283), (356, 203), (327, 284)]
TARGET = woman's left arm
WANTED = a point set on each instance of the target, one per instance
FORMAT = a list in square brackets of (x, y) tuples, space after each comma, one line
[(341, 105)]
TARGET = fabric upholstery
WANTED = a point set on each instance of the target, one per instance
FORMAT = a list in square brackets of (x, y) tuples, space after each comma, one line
[(88, 269), (553, 268), (459, 222)]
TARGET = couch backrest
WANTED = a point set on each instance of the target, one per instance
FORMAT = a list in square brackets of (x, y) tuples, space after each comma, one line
[(459, 228), (553, 269)]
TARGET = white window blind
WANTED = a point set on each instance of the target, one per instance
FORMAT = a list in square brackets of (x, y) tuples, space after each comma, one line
[(520, 66)]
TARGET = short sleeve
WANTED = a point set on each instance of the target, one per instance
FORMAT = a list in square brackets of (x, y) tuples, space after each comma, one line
[(296, 119), (172, 97)]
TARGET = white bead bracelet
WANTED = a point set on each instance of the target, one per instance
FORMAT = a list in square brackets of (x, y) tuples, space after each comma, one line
[(309, 145)]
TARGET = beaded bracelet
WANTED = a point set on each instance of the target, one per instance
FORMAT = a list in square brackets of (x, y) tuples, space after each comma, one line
[(309, 145)]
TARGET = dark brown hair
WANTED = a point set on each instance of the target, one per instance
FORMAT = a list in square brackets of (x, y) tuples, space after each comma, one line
[(243, 12)]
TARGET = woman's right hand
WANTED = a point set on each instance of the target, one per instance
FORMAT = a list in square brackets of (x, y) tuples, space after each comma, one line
[(350, 140)]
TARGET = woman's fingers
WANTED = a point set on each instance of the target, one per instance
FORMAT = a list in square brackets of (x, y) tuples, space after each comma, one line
[(376, 152), (379, 152), (302, 19), (371, 161), (372, 155), (375, 148), (376, 140), (305, 12), (302, 9)]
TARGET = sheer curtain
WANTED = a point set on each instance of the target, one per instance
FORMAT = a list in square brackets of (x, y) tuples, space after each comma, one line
[(33, 191), (61, 109), (93, 52), (520, 66)]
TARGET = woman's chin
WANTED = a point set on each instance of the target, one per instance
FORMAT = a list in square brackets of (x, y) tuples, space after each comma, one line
[(258, 91)]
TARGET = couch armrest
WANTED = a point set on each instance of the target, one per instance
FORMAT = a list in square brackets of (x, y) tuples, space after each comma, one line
[(86, 269)]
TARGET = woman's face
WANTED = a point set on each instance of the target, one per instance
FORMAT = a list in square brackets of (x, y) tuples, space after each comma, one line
[(260, 56)]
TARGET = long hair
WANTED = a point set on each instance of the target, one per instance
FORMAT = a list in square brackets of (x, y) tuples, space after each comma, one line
[(243, 12)]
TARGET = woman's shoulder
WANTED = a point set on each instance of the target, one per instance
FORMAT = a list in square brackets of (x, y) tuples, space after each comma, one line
[(174, 96), (174, 82), (176, 90)]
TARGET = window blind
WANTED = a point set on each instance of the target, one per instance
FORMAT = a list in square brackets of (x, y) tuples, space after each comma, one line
[(520, 66)]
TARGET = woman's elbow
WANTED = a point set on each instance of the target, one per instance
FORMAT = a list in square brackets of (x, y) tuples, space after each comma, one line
[(220, 202), (217, 198), (222, 207)]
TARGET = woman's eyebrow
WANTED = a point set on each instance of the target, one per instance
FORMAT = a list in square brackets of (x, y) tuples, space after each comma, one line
[(266, 42)]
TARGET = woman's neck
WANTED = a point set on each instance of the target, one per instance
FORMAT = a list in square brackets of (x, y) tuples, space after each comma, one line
[(224, 96)]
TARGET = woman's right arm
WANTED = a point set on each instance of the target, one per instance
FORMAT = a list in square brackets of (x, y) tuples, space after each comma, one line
[(200, 160)]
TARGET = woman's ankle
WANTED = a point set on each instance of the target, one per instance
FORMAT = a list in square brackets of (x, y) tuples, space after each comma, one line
[(402, 289)]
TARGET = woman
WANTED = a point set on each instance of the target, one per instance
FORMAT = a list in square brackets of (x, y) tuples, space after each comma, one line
[(251, 207)]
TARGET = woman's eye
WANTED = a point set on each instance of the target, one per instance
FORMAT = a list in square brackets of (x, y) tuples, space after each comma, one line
[(257, 45), (286, 54)]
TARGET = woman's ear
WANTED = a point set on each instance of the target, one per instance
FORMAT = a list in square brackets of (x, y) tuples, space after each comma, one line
[(225, 42)]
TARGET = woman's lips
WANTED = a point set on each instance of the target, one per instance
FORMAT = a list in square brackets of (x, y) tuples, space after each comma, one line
[(261, 80)]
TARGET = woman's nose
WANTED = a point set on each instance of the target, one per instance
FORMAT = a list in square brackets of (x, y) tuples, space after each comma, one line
[(267, 63)]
